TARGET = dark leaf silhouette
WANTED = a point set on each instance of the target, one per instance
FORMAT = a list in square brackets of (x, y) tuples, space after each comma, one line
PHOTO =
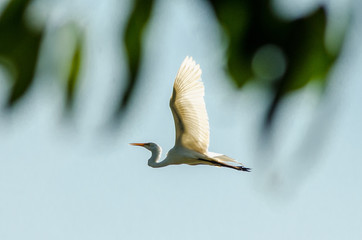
[(133, 40), (73, 75), (19, 48), (251, 25)]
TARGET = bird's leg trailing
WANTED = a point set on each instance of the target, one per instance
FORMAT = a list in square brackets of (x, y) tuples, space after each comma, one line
[(221, 164), (245, 169)]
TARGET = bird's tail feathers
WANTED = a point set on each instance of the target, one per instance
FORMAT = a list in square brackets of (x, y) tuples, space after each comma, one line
[(223, 158), (225, 161)]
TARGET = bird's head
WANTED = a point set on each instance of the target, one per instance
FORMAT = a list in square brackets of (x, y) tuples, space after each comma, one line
[(150, 146)]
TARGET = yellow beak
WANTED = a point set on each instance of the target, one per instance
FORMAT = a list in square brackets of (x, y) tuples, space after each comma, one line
[(137, 144)]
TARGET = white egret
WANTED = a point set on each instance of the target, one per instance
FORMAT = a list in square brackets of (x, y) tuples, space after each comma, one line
[(191, 123)]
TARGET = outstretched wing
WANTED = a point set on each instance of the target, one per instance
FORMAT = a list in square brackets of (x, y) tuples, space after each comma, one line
[(188, 108)]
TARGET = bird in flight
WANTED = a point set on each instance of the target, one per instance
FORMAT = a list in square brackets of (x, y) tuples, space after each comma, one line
[(191, 123)]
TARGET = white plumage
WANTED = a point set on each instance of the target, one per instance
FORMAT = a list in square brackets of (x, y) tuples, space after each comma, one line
[(188, 108), (191, 123)]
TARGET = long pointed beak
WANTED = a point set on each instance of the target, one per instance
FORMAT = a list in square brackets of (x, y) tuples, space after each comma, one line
[(138, 144)]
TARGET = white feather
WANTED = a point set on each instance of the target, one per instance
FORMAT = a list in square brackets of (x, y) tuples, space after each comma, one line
[(188, 108)]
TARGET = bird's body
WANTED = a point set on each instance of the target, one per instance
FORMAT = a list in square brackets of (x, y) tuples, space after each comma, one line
[(191, 123)]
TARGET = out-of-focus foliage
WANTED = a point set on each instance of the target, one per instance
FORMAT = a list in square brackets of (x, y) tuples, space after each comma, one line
[(20, 44), (19, 48), (73, 75), (252, 26), (133, 39), (283, 55)]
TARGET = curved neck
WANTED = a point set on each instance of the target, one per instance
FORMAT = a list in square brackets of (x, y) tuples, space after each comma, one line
[(154, 160)]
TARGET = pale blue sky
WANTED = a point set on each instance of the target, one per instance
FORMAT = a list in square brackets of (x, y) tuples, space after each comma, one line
[(73, 181)]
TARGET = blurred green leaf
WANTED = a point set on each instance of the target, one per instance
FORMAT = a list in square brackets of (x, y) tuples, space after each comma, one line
[(73, 76), (133, 41), (307, 56), (19, 48), (251, 25)]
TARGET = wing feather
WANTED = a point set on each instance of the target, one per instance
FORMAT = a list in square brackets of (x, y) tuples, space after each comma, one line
[(188, 108)]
